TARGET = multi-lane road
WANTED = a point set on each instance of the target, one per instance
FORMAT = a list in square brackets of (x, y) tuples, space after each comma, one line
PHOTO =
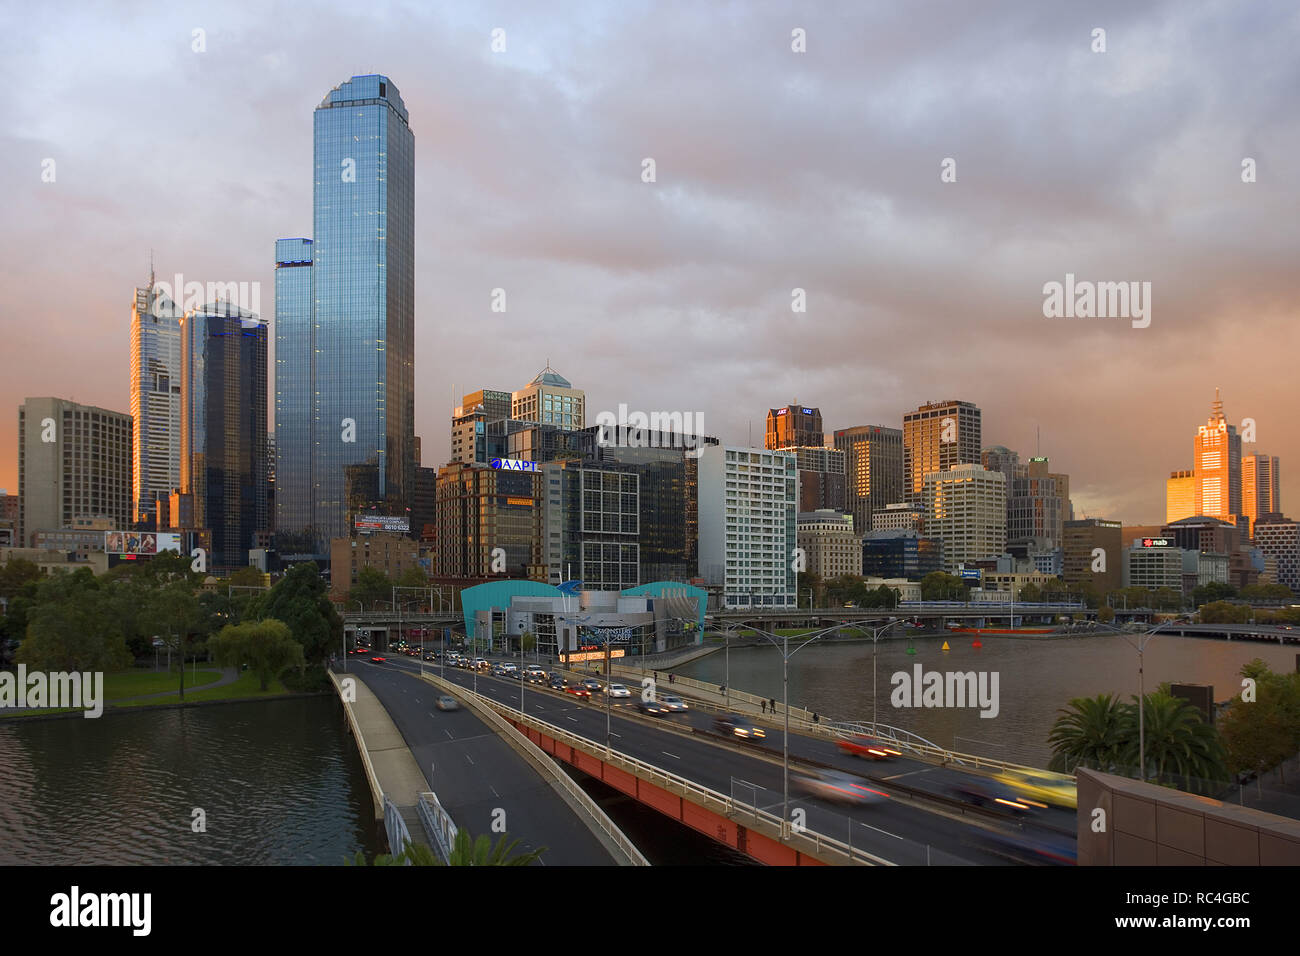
[(918, 824)]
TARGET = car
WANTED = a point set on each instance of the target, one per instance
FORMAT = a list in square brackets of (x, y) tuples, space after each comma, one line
[(618, 690), (498, 671), (557, 682), (674, 703), (653, 707), (536, 669), (1054, 789), (984, 792), (869, 748), (534, 678), (430, 656), (577, 691), (592, 685), (447, 702), (838, 787), (481, 664), (376, 660), (510, 666), (734, 725)]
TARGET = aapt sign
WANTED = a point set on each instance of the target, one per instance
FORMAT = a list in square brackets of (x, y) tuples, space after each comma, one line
[(512, 464)]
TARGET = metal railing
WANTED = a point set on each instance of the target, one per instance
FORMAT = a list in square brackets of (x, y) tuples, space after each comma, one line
[(820, 844), (438, 823), (395, 827), (601, 819), (376, 791)]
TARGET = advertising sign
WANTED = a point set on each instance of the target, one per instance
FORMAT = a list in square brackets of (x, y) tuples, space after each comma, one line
[(577, 658), (400, 525), (512, 464)]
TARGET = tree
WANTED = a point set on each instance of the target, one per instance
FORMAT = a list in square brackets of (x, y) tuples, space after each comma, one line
[(527, 642), (1213, 591), (1266, 592), (412, 577), (1178, 741), (249, 577), (1167, 599), (266, 646), (73, 628), (1105, 614), (941, 586), (1223, 612), (1091, 733), (465, 851), (372, 586), (15, 575), (299, 599), (1261, 734), (163, 567), (175, 615)]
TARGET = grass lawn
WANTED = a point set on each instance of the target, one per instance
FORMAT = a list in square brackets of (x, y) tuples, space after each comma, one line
[(247, 686), (134, 683)]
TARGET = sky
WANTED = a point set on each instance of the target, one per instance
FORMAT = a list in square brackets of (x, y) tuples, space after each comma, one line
[(822, 170)]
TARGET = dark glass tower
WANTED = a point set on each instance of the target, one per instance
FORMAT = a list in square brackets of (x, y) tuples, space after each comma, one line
[(360, 386), (223, 427)]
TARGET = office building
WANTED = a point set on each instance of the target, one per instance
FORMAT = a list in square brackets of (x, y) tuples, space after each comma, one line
[(74, 461), (936, 437), (1180, 495), (1217, 467), (830, 545), (223, 427), (900, 554), (1093, 554), (389, 552), (821, 478), (899, 516), (345, 363), (155, 399), (1261, 490), (794, 426), (591, 525), (551, 400), (469, 425), (873, 467), (747, 525), (1153, 563), (1278, 538), (481, 509), (966, 507)]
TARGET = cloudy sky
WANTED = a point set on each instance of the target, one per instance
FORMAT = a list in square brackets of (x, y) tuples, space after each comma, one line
[(775, 170)]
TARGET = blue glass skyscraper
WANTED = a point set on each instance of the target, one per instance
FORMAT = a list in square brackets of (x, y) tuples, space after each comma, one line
[(352, 346)]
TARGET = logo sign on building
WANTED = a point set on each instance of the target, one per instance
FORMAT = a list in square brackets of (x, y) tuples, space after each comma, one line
[(577, 658), (807, 411), (1155, 542), (519, 501), (401, 525), (513, 464), (612, 635), (970, 574)]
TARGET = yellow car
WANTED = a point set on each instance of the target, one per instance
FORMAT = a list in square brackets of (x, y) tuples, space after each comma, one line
[(1051, 788)]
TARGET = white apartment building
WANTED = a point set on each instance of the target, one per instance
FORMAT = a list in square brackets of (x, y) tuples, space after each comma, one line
[(747, 524)]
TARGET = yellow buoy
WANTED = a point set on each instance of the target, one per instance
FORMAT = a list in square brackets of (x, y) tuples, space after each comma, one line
[(945, 645)]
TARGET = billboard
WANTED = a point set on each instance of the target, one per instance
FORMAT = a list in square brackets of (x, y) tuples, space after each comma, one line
[(970, 574), (140, 542), (580, 656), (512, 464), (395, 523)]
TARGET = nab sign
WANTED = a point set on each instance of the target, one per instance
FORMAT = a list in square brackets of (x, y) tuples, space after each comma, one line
[(511, 464)]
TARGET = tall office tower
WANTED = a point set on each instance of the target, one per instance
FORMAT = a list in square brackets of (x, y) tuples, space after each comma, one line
[(551, 400), (936, 437), (1094, 554), (469, 423), (480, 509), (357, 363), (1180, 496), (294, 363), (74, 461), (1217, 467), (1000, 458), (1279, 539), (794, 426), (592, 524), (223, 427), (966, 507), (748, 525), (155, 399), (873, 468), (1261, 491), (1040, 467), (821, 478)]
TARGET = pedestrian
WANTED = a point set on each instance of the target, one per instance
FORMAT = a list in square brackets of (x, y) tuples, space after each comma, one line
[(722, 688), (670, 677), (772, 703), (763, 704), (815, 719)]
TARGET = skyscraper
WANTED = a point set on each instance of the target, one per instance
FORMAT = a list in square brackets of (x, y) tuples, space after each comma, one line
[(1216, 466), (223, 427), (358, 363), (966, 506), (794, 426), (1260, 487), (294, 365), (873, 465), (74, 461), (936, 437), (1180, 495), (551, 400), (155, 399)]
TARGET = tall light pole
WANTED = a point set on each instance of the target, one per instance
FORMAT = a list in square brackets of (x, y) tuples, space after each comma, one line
[(876, 634), (1141, 647)]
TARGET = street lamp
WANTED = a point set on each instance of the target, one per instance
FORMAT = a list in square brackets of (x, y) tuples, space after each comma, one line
[(876, 634), (1141, 647)]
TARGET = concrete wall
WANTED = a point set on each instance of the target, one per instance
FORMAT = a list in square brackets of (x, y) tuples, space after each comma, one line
[(1147, 825)]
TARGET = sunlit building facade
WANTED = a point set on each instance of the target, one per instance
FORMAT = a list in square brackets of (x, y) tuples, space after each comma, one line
[(936, 437), (1216, 466), (873, 468), (155, 399), (794, 426), (1180, 496), (966, 507), (1261, 490)]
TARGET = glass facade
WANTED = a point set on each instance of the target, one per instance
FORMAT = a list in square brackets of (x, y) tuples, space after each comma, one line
[(293, 365), (358, 361), (223, 427)]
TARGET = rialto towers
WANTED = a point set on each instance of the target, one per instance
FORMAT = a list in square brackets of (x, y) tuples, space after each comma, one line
[(345, 323)]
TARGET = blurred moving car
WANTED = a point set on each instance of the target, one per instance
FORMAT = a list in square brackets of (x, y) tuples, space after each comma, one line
[(577, 691), (618, 690), (1055, 789), (447, 702), (674, 704), (377, 660), (987, 793), (653, 707), (591, 684), (838, 787), (869, 748), (734, 725)]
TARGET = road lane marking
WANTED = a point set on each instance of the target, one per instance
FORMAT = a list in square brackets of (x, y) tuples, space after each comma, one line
[(574, 719), (470, 759), (878, 830), (667, 754)]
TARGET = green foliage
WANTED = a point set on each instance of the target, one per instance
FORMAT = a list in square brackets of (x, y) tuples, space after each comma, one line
[(1214, 591), (1259, 735), (307, 681), (266, 646), (941, 586), (527, 641), (249, 577), (299, 599), (413, 577), (1105, 614), (1259, 592), (15, 575), (1091, 733), (1223, 612), (466, 851), (372, 586), (71, 626)]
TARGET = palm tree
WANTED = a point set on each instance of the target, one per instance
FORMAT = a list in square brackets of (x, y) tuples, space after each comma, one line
[(1092, 733), (466, 851), (1178, 741)]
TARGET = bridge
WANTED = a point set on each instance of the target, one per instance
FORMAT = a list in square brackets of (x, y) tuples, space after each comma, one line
[(933, 612)]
